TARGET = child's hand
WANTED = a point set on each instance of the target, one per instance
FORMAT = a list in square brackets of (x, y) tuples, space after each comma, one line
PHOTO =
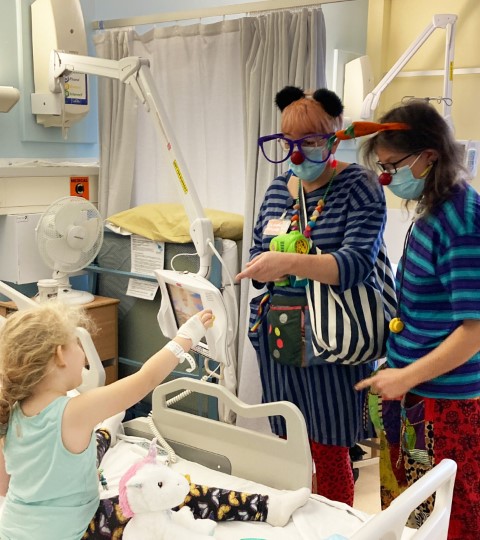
[(207, 318), (194, 329)]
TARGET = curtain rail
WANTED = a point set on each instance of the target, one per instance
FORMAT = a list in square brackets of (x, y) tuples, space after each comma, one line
[(235, 9)]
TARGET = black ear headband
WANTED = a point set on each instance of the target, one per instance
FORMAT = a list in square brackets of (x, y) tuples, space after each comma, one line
[(330, 102)]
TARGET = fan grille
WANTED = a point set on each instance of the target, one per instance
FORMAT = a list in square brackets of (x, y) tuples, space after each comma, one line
[(69, 234)]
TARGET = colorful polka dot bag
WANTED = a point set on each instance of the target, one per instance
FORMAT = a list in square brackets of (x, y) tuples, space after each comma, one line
[(286, 329)]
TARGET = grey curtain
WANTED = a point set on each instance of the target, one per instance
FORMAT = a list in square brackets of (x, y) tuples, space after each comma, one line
[(279, 48), (117, 127)]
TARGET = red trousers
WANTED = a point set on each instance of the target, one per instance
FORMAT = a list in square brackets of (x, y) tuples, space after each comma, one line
[(334, 476)]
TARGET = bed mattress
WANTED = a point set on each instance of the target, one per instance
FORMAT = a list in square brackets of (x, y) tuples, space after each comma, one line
[(317, 520)]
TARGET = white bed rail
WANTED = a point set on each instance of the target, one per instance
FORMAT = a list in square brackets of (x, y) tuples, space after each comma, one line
[(263, 458), (390, 523)]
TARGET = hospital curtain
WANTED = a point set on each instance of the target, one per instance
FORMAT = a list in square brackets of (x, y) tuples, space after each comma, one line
[(278, 49), (196, 69), (197, 72), (117, 127), (218, 83)]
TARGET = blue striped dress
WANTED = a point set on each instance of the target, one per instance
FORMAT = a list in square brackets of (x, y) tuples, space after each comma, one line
[(441, 289), (351, 229)]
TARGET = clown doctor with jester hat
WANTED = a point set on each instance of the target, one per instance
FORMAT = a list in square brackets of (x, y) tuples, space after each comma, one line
[(426, 400), (346, 213)]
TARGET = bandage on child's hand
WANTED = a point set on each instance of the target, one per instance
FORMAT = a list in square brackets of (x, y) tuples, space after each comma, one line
[(195, 328)]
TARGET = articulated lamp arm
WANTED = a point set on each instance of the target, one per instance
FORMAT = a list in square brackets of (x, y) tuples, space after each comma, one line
[(370, 103), (135, 71)]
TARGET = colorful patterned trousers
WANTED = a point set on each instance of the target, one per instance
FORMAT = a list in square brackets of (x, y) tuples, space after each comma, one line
[(333, 472), (418, 433)]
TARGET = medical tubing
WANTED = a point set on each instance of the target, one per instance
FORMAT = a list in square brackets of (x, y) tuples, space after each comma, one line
[(211, 373), (172, 456), (185, 393)]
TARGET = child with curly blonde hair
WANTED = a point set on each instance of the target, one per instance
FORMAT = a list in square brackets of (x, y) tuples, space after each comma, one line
[(51, 447)]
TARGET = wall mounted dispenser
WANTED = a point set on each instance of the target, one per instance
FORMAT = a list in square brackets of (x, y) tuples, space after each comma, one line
[(57, 25)]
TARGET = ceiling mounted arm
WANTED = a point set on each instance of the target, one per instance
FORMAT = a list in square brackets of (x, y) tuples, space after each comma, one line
[(447, 21), (135, 72)]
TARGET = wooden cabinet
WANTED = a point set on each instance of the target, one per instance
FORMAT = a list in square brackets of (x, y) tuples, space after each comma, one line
[(104, 313)]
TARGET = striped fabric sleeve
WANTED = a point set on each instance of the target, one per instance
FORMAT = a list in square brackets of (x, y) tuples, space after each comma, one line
[(459, 272), (363, 233)]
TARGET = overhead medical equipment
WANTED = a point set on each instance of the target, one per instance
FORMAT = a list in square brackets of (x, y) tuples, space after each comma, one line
[(8, 97), (183, 295), (58, 25), (93, 375), (446, 21), (69, 236), (135, 71)]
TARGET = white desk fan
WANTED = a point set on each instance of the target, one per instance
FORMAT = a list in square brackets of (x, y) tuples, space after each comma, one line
[(69, 236)]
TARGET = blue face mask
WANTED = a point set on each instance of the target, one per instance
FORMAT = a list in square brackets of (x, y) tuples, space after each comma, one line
[(405, 185), (308, 170)]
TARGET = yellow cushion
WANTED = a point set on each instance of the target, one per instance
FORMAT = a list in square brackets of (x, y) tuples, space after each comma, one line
[(169, 222)]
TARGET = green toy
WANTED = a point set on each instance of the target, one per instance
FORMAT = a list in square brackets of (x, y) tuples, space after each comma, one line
[(292, 242)]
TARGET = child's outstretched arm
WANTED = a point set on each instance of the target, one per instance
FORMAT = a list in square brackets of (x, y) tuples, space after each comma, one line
[(85, 411)]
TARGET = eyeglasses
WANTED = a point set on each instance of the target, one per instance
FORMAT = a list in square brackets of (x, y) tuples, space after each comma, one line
[(391, 168), (439, 99), (277, 148)]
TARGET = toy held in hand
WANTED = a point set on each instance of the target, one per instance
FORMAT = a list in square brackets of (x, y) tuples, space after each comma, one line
[(147, 493), (292, 242)]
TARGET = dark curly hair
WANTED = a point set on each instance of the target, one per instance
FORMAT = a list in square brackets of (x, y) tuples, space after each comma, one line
[(430, 131)]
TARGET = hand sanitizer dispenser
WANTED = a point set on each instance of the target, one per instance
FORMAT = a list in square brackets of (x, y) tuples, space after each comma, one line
[(57, 25)]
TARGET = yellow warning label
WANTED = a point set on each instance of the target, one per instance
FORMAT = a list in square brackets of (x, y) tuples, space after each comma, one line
[(180, 176)]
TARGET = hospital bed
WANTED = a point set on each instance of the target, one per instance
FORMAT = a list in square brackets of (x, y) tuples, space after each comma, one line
[(223, 455)]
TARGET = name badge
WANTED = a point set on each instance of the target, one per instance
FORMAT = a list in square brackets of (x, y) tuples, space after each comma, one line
[(276, 226)]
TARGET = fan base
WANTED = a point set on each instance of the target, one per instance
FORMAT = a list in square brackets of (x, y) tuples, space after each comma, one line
[(74, 297)]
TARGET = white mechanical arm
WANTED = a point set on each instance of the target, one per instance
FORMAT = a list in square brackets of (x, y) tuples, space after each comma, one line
[(135, 71), (370, 103)]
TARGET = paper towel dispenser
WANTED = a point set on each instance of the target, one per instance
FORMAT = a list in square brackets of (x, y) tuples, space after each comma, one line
[(58, 25)]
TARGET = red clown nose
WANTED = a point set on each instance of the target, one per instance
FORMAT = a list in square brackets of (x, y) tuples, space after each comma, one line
[(296, 158), (385, 178)]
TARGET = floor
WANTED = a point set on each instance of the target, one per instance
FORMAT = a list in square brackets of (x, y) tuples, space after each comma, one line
[(367, 490), (367, 486)]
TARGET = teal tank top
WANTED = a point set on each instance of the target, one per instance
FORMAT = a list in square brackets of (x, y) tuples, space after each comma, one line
[(53, 494)]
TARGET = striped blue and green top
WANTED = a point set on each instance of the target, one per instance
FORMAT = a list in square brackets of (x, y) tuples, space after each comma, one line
[(441, 289)]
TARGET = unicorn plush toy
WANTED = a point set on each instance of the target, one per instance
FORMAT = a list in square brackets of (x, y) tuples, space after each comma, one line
[(147, 493)]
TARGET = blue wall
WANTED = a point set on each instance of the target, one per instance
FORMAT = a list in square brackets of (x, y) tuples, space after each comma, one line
[(22, 137)]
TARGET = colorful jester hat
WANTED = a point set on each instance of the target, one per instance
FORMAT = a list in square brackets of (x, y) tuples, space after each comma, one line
[(361, 128)]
